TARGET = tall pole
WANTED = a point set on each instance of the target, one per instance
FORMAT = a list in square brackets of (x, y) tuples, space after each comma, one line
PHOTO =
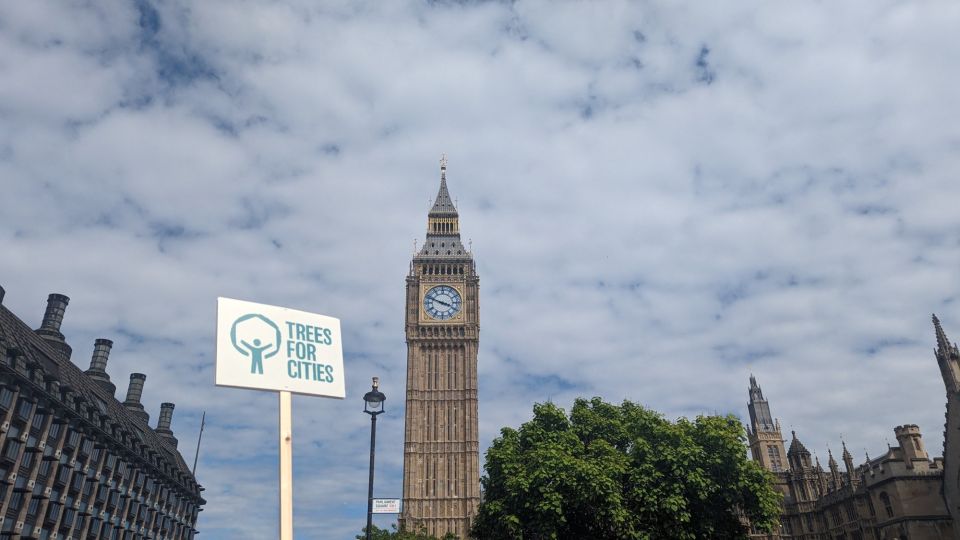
[(199, 438), (286, 467), (373, 446)]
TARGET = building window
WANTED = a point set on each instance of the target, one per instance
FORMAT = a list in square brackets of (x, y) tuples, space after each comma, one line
[(32, 508), (851, 511), (16, 500), (24, 409), (54, 431), (6, 398), (74, 439), (885, 499), (776, 462), (835, 514), (12, 450), (38, 420)]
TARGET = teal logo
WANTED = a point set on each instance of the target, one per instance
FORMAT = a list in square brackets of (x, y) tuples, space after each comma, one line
[(255, 336)]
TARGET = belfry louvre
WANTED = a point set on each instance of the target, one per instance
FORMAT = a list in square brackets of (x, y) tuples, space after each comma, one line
[(76, 463)]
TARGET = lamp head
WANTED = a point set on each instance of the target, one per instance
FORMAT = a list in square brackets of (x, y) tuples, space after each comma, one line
[(373, 400)]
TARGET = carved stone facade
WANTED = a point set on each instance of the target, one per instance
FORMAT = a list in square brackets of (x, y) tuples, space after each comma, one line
[(74, 461), (441, 460), (903, 494)]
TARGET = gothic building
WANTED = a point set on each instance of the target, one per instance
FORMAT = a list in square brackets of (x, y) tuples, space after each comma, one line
[(902, 494), (76, 463), (441, 460)]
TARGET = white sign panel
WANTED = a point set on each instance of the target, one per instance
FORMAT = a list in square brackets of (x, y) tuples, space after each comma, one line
[(386, 506), (274, 348)]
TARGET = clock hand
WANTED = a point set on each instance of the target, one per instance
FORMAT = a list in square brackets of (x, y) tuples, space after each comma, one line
[(437, 300)]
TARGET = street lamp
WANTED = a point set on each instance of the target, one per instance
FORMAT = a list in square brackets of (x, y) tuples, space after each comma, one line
[(372, 405)]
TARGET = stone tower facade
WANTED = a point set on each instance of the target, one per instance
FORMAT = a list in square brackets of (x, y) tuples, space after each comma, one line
[(763, 435), (441, 461)]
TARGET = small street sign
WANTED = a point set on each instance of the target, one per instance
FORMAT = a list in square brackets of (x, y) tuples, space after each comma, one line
[(386, 506)]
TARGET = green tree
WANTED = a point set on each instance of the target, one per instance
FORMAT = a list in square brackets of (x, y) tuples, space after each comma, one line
[(384, 534), (622, 473)]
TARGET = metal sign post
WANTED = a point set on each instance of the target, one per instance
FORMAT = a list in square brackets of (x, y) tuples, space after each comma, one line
[(288, 351)]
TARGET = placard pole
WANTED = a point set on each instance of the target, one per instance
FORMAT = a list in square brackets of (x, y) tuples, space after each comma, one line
[(286, 467)]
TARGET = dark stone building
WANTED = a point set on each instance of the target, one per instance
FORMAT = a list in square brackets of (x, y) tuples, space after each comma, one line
[(76, 463)]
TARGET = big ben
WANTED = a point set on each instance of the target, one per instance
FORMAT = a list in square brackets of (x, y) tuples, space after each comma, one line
[(441, 460)]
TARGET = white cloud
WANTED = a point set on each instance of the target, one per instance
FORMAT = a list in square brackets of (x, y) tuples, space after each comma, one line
[(663, 198)]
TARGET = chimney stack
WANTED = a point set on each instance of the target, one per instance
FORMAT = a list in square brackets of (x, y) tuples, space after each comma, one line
[(98, 365), (134, 393), (163, 423), (52, 319)]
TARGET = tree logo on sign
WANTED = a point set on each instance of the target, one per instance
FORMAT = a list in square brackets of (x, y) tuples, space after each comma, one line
[(255, 336)]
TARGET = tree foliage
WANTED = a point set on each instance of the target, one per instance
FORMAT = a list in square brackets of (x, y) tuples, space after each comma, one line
[(385, 534), (622, 472)]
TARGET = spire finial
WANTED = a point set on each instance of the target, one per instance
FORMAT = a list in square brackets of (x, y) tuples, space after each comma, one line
[(443, 166), (942, 341)]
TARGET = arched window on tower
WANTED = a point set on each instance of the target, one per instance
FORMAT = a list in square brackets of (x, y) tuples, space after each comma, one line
[(776, 462), (885, 499)]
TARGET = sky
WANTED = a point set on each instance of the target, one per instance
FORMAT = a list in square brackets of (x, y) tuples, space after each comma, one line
[(662, 198)]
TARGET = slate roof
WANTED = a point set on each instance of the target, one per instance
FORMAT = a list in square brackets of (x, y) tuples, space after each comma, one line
[(447, 246), (443, 247), (17, 335), (797, 447), (443, 205)]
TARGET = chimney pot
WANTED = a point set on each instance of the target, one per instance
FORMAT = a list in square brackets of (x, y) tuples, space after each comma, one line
[(53, 316), (98, 365), (163, 423), (52, 319), (134, 393), (101, 354)]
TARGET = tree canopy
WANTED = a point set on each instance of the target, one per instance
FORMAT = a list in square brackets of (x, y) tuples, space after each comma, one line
[(376, 533), (622, 473)]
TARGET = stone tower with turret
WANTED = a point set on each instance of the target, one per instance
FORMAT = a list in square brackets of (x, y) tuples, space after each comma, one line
[(763, 435), (441, 460)]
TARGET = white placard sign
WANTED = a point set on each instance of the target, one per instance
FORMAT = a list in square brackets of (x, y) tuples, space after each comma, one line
[(274, 348), (386, 506)]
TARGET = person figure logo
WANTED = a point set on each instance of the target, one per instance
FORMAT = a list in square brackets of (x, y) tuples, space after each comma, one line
[(255, 336)]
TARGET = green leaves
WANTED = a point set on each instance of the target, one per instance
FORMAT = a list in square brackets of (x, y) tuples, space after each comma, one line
[(621, 472), (376, 533)]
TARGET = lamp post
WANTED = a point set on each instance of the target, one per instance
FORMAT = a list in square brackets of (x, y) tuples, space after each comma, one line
[(372, 405)]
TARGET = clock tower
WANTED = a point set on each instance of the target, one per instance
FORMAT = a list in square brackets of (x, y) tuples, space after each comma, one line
[(441, 460)]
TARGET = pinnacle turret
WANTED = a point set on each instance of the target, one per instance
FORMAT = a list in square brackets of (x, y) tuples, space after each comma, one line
[(948, 357), (798, 455), (848, 462), (760, 417), (943, 344)]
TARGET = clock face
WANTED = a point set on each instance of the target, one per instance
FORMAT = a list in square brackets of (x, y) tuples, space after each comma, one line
[(442, 302)]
